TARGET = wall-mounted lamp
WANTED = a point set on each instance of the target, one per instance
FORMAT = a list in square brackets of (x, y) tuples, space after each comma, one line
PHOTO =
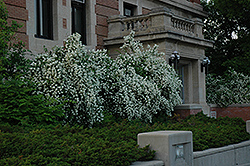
[(205, 62), (174, 59)]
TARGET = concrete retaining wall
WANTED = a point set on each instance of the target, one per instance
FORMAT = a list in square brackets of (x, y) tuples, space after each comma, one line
[(237, 154), (175, 148)]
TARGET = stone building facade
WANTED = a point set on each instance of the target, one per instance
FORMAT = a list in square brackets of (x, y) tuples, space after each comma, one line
[(175, 25)]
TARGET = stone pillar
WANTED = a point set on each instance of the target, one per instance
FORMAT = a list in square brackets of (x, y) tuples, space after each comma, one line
[(115, 27), (198, 27), (172, 147), (161, 19)]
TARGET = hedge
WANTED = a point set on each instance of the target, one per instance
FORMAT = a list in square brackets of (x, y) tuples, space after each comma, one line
[(111, 143)]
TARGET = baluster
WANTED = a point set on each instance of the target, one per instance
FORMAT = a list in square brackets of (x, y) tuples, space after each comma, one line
[(135, 25), (175, 23), (147, 22), (179, 24), (130, 26), (182, 28), (144, 24)]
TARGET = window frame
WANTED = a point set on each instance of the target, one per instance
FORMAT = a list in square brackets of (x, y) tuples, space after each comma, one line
[(79, 4), (130, 7), (41, 20)]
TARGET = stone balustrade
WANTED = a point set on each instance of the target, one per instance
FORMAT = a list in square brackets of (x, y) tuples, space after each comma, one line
[(140, 23), (160, 20), (183, 25)]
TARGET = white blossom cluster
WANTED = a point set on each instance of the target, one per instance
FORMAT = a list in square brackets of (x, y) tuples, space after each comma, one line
[(155, 83), (231, 89), (137, 85), (72, 75)]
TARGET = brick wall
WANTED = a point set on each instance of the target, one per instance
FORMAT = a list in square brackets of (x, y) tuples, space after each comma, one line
[(183, 113), (145, 10), (196, 1), (17, 12), (232, 111), (104, 9)]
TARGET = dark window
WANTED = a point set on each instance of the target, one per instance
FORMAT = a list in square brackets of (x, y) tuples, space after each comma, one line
[(181, 75), (44, 24), (79, 18), (129, 10)]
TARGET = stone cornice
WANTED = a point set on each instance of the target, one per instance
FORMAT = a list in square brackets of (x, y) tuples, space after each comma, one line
[(190, 7)]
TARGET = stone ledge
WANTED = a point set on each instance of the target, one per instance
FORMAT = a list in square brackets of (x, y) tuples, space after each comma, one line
[(159, 35), (188, 107), (248, 164), (148, 163)]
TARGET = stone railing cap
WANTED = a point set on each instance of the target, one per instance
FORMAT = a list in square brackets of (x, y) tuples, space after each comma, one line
[(160, 9)]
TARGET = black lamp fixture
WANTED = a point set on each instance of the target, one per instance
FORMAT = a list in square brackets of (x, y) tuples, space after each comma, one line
[(205, 62), (174, 59)]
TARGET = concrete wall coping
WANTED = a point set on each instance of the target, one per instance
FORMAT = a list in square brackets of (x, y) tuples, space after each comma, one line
[(164, 133), (187, 6), (188, 107), (242, 144), (212, 151), (232, 105), (148, 163)]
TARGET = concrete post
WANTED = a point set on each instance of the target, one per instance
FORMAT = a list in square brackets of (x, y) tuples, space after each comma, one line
[(161, 19), (198, 27), (248, 126), (174, 148)]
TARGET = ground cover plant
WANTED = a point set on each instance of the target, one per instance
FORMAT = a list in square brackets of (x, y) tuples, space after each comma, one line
[(110, 143)]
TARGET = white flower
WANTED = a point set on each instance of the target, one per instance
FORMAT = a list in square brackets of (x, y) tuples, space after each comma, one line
[(137, 85)]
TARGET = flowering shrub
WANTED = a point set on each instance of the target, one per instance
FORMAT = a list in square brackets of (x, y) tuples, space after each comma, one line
[(137, 85), (149, 85), (231, 89), (73, 75)]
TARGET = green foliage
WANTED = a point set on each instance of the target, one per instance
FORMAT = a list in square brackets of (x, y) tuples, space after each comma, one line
[(231, 88), (12, 60), (18, 104), (213, 133), (229, 27), (109, 144)]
